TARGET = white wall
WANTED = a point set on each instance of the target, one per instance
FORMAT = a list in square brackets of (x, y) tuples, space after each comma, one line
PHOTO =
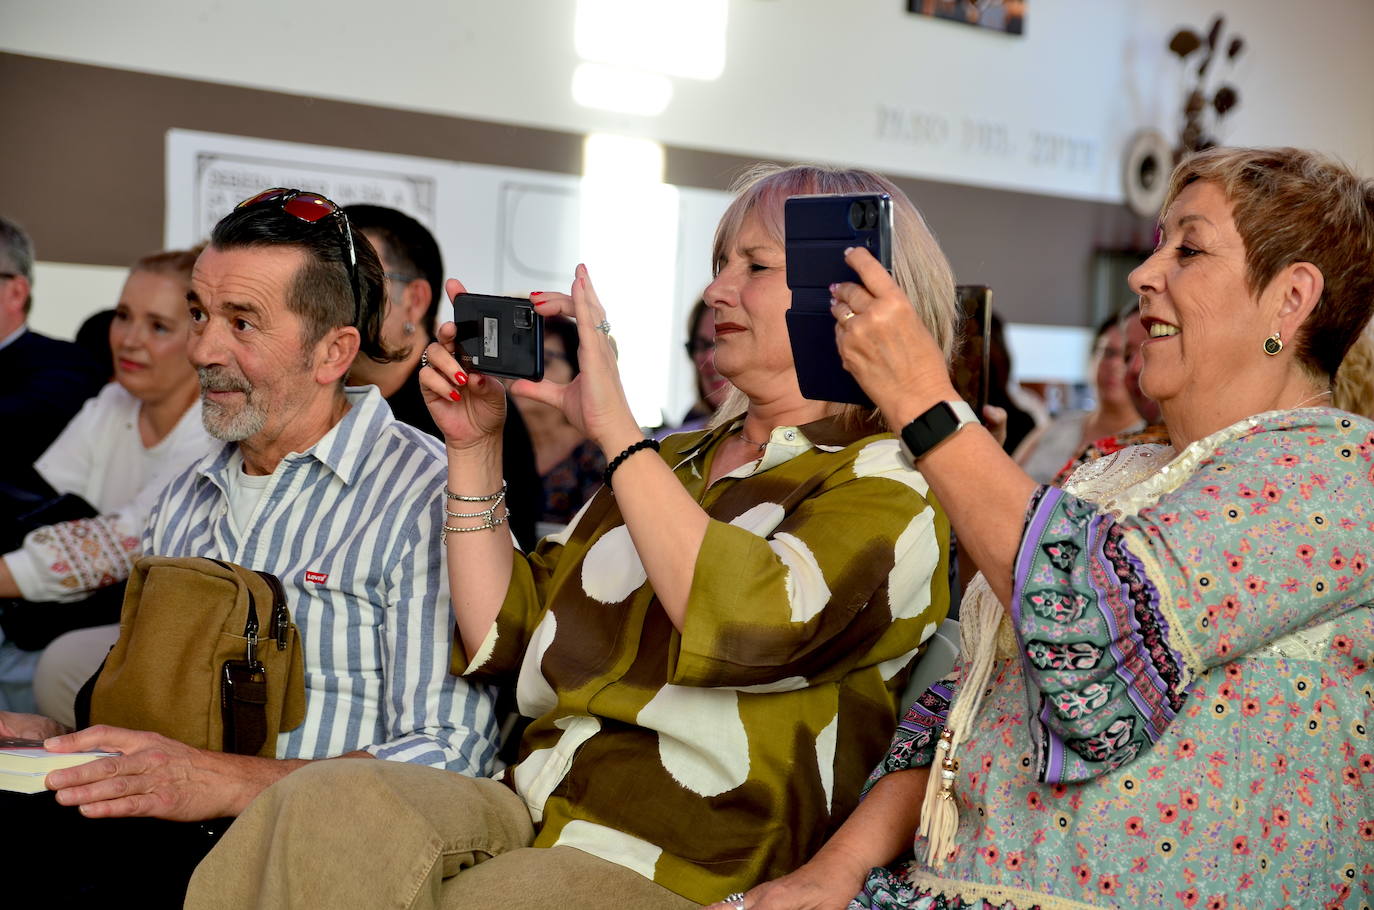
[(69, 293), (862, 82)]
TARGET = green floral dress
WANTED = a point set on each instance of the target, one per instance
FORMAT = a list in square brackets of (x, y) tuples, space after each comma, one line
[(1184, 720)]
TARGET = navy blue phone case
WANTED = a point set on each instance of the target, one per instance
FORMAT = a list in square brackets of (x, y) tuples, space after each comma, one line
[(818, 231)]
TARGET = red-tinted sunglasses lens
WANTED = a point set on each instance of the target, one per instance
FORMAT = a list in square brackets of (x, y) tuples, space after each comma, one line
[(266, 195), (309, 207)]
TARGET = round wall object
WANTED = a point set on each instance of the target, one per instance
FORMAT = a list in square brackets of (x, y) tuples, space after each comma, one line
[(1145, 172)]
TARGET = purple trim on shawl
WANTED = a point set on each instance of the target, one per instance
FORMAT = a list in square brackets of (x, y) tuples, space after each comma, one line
[(919, 718), (1159, 706), (1135, 679), (1042, 506)]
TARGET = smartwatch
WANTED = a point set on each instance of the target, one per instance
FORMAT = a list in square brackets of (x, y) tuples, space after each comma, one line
[(942, 421)]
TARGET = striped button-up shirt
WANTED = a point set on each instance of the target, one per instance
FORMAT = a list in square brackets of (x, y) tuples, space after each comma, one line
[(352, 529)]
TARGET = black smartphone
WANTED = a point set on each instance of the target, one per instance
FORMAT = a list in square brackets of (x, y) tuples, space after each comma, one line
[(969, 371), (818, 230), (499, 336)]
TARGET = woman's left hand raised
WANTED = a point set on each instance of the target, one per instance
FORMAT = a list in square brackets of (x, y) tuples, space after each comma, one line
[(594, 401), (884, 345)]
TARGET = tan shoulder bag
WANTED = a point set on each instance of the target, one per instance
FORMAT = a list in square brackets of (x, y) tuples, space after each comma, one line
[(207, 655)]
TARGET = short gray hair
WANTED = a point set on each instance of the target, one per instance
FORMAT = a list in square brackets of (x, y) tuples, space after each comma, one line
[(16, 252), (16, 249)]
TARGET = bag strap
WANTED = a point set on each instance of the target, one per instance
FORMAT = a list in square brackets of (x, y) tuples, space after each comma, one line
[(81, 707)]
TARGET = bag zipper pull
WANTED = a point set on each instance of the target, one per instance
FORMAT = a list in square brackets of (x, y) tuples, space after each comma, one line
[(280, 617), (252, 646)]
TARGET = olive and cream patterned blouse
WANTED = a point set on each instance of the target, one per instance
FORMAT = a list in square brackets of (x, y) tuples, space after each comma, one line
[(723, 756)]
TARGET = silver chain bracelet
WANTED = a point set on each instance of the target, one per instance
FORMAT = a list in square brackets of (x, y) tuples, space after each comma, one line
[(492, 497), (490, 523), (488, 516)]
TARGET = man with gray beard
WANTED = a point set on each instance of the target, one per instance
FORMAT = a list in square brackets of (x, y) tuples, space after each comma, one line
[(318, 485)]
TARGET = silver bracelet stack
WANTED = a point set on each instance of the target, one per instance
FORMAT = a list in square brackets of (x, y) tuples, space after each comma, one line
[(488, 515)]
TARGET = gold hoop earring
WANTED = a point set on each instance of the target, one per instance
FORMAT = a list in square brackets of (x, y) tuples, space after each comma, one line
[(1273, 344)]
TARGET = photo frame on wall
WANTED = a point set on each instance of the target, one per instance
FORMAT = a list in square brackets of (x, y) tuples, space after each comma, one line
[(1007, 16)]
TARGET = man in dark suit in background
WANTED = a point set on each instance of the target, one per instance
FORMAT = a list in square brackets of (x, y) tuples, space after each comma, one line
[(43, 381), (414, 272)]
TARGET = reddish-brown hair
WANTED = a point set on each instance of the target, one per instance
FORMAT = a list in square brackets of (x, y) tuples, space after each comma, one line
[(176, 263), (1292, 205)]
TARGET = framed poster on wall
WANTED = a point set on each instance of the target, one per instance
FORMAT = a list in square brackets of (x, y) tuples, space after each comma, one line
[(999, 15)]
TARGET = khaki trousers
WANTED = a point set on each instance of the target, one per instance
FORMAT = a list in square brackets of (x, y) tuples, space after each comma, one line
[(380, 834)]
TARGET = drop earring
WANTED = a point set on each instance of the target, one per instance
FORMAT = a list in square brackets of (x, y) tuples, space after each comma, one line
[(1273, 344)]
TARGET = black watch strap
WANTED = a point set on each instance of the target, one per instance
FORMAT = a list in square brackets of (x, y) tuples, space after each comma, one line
[(937, 424)]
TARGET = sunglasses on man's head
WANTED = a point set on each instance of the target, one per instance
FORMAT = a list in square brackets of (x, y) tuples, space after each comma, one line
[(310, 208)]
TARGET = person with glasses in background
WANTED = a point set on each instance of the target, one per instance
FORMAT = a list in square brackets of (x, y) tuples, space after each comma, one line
[(43, 381), (414, 271), (570, 465), (318, 485), (712, 388), (1045, 449)]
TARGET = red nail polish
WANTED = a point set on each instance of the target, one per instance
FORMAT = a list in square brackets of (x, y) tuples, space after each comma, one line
[(460, 378), (455, 396)]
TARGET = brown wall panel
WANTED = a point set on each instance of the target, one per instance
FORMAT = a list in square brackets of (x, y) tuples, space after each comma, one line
[(81, 166)]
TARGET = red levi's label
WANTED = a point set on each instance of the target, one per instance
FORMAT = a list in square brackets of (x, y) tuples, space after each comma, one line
[(318, 578)]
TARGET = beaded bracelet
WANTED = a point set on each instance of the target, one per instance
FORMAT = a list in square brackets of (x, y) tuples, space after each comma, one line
[(488, 515), (619, 459), (490, 523), (485, 513), (488, 498)]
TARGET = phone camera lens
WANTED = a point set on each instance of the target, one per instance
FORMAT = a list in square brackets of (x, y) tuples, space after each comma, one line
[(523, 317), (856, 215), (870, 215)]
